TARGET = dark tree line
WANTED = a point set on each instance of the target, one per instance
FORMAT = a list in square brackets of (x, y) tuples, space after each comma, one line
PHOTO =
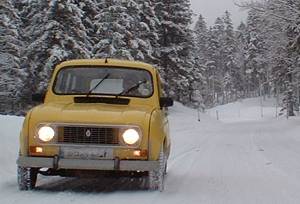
[(37, 35)]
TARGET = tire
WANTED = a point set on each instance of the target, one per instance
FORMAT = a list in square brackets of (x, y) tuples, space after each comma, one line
[(27, 178), (156, 178)]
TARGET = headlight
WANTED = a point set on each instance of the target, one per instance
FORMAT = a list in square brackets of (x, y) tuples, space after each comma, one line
[(131, 136), (46, 133)]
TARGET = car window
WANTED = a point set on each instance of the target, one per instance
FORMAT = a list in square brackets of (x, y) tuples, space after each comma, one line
[(103, 81)]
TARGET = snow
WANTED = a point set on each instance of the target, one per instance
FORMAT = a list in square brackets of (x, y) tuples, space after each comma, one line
[(246, 110), (240, 158)]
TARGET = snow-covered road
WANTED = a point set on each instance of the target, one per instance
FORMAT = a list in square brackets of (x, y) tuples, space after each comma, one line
[(242, 158)]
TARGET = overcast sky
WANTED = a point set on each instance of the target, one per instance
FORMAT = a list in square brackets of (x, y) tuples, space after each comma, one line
[(211, 9)]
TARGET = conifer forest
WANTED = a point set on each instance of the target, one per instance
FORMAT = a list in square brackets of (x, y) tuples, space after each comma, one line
[(201, 65)]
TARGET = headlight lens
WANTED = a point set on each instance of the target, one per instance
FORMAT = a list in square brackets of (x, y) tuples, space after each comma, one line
[(46, 133), (131, 136)]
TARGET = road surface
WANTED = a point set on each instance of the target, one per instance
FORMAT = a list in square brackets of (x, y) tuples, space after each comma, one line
[(241, 161)]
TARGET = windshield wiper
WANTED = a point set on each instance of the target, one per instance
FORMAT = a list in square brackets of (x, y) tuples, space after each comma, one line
[(98, 84), (137, 85)]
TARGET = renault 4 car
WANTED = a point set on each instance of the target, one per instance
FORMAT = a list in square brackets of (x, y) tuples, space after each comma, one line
[(100, 115)]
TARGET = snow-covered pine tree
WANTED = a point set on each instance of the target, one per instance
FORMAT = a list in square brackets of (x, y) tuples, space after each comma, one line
[(255, 49), (222, 72), (240, 36), (176, 42), (232, 76), (113, 30), (293, 73), (90, 8), (280, 19), (280, 62), (139, 44), (211, 67), (56, 33), (148, 31), (31, 15), (216, 61), (112, 25), (11, 74), (201, 59), (127, 30)]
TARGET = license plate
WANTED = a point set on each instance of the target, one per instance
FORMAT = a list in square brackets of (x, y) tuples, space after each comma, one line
[(86, 153)]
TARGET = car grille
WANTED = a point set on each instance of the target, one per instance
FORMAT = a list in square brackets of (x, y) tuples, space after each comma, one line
[(89, 135)]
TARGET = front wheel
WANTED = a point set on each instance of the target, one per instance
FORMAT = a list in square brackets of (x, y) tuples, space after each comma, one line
[(27, 178), (156, 178)]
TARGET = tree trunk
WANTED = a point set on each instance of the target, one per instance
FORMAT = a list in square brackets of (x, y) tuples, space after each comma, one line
[(290, 101)]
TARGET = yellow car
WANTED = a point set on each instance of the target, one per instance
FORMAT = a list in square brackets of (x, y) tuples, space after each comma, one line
[(102, 115)]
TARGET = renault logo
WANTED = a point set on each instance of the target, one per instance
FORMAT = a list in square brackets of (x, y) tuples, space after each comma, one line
[(88, 133)]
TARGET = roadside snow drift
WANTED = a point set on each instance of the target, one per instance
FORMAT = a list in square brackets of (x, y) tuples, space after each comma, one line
[(244, 157)]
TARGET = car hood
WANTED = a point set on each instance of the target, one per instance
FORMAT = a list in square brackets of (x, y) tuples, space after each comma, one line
[(92, 114)]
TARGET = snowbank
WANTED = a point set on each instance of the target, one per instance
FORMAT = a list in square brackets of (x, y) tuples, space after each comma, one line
[(246, 110)]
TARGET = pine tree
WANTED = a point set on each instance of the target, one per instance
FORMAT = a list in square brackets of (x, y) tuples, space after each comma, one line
[(216, 61), (56, 35), (139, 44), (176, 42), (127, 30), (221, 70), (113, 28), (293, 73), (254, 52), (90, 8), (211, 67), (201, 58), (231, 71), (276, 21), (148, 32), (240, 36), (10, 45)]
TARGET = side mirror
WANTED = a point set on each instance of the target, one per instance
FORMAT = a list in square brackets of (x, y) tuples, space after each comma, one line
[(166, 102), (39, 97)]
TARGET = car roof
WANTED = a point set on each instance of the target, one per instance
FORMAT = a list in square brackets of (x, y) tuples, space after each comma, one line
[(106, 62)]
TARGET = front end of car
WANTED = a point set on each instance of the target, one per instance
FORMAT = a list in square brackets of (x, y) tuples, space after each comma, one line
[(100, 127), (69, 144)]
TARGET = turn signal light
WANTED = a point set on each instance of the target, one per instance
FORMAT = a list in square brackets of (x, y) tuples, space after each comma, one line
[(39, 149), (140, 153), (36, 149)]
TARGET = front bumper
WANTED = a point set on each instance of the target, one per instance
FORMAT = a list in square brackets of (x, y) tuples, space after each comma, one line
[(60, 163)]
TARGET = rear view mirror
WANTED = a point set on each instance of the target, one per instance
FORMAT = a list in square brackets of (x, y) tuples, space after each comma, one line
[(39, 97), (166, 102)]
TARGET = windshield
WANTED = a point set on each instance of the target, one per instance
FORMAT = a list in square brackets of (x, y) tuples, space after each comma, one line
[(103, 81)]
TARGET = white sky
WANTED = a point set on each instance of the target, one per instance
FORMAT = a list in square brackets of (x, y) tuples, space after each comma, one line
[(211, 9)]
